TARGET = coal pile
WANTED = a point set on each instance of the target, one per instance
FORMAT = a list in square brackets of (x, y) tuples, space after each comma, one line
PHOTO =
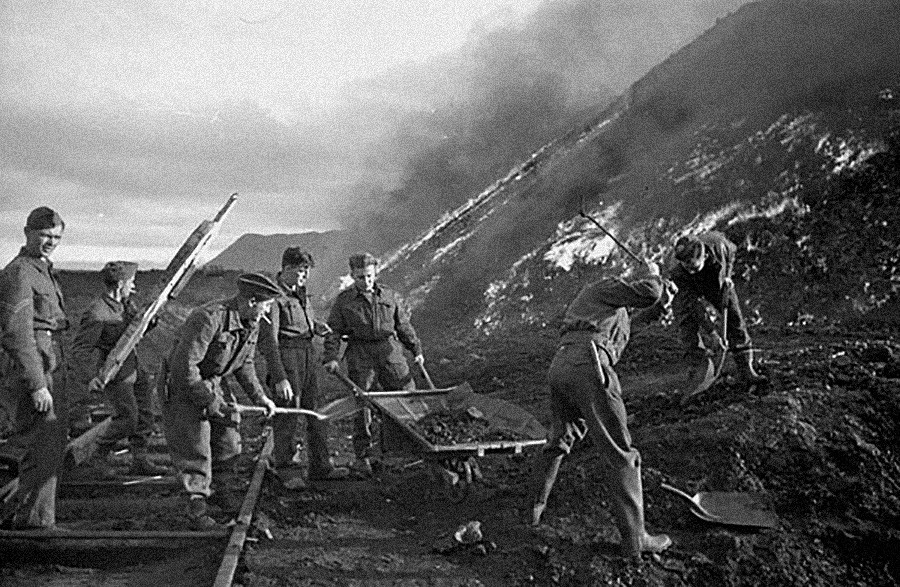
[(446, 427)]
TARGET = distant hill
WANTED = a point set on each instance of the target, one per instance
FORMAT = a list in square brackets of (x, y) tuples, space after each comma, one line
[(262, 252)]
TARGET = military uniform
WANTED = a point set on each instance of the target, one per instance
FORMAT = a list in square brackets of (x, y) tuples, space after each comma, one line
[(212, 344), (713, 284), (101, 325), (32, 317), (586, 397), (377, 328), (286, 342)]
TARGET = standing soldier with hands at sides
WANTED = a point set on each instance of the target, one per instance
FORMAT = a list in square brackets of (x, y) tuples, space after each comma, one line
[(586, 398), (286, 342), (32, 317), (128, 394), (376, 324), (217, 340)]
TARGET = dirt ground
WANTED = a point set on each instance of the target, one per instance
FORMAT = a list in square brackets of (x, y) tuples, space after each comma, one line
[(819, 443)]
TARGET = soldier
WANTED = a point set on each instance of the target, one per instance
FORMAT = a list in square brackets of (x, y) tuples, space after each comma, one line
[(376, 323), (702, 270), (586, 398), (128, 394), (216, 340), (32, 318), (286, 341)]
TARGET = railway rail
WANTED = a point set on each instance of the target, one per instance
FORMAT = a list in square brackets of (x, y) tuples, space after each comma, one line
[(107, 521)]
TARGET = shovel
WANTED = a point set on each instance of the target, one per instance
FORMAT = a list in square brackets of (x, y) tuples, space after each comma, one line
[(336, 409), (733, 509)]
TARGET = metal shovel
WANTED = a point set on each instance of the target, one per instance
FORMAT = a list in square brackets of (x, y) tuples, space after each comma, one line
[(734, 509)]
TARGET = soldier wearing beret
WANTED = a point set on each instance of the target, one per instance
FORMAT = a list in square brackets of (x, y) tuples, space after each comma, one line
[(375, 323), (217, 340), (128, 394), (32, 317), (586, 398), (702, 269), (286, 342)]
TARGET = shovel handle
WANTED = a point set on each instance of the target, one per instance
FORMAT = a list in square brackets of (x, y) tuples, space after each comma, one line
[(427, 376), (695, 503), (241, 409), (351, 385)]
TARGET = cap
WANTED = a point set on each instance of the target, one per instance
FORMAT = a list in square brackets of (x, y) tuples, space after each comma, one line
[(362, 260), (688, 250), (43, 218), (116, 271), (297, 257), (258, 286)]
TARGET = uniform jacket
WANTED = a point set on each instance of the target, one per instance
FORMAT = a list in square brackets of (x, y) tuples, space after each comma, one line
[(30, 299), (717, 268), (100, 327), (600, 312), (353, 316), (292, 321), (212, 343)]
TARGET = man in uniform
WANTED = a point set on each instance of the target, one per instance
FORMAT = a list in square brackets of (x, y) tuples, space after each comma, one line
[(32, 316), (586, 398), (286, 341), (216, 340), (702, 270), (376, 325), (128, 394)]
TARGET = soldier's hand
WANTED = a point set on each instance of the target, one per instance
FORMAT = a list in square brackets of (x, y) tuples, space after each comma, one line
[(269, 405), (42, 400), (321, 328), (283, 390), (651, 269), (95, 385), (419, 359), (332, 367), (217, 407)]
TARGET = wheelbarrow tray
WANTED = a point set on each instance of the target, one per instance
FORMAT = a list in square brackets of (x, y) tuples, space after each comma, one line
[(405, 408)]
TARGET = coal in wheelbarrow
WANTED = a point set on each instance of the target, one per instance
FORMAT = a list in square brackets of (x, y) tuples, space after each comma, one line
[(730, 508)]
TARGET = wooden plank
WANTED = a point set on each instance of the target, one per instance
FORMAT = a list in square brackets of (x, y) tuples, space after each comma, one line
[(232, 555), (99, 535)]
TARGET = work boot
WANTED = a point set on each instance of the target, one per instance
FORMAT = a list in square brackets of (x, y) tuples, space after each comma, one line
[(545, 474), (746, 373), (362, 467), (654, 544), (331, 473), (142, 466), (626, 500), (198, 514)]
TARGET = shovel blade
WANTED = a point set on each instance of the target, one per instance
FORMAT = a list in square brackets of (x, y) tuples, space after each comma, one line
[(738, 509)]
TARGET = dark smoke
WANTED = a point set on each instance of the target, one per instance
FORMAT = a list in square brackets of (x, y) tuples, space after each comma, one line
[(454, 125)]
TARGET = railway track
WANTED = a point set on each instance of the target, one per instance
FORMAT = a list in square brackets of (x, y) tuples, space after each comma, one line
[(129, 530)]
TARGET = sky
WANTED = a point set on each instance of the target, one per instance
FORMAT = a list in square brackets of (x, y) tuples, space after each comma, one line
[(136, 119)]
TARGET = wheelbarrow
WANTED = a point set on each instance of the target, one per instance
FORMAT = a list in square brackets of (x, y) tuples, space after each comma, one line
[(453, 466), (730, 508)]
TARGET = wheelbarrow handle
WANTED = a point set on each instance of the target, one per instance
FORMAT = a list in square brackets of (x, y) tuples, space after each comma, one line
[(357, 390), (243, 409)]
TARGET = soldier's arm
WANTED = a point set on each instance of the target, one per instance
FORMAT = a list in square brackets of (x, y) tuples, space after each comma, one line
[(405, 331), (246, 376), (333, 339), (197, 334), (17, 327), (268, 345), (90, 328)]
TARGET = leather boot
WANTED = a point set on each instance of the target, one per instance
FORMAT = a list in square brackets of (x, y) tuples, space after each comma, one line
[(746, 373), (548, 468), (142, 466), (626, 500), (198, 514)]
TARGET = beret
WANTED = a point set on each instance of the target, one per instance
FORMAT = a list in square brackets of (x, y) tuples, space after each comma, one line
[(258, 286), (118, 270), (361, 260), (297, 257), (43, 218)]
